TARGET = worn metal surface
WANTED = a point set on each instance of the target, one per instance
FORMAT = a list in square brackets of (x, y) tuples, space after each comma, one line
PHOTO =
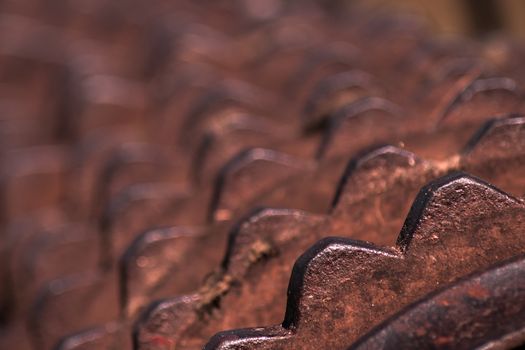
[(340, 288), (480, 311), (164, 164)]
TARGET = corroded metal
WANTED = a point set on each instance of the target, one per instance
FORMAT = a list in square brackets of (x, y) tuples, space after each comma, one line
[(339, 288), (164, 164), (482, 310)]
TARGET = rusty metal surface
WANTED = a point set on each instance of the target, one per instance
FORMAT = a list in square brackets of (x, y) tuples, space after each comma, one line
[(340, 288), (385, 179), (164, 164), (480, 311), (188, 321)]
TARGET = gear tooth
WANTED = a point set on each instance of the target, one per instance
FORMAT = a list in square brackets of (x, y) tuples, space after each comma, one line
[(315, 107), (229, 134), (499, 144), (50, 316), (383, 121), (249, 338), (131, 163), (318, 64), (455, 67), (94, 153), (109, 336), (328, 259), (162, 323), (43, 256), (131, 211), (375, 169), (148, 263), (226, 93), (276, 166), (491, 136), (476, 85), (258, 232), (447, 198)]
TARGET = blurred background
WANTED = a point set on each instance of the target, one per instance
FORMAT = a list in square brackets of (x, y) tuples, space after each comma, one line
[(470, 17), (465, 17)]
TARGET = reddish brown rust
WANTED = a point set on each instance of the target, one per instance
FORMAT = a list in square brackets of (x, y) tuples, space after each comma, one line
[(163, 164), (340, 287), (485, 310)]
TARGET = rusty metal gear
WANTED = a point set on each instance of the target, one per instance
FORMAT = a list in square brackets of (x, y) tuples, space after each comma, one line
[(257, 175)]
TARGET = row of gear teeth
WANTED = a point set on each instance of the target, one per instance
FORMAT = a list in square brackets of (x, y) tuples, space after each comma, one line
[(175, 174)]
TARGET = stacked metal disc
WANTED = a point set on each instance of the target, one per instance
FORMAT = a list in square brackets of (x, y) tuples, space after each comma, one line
[(257, 175)]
